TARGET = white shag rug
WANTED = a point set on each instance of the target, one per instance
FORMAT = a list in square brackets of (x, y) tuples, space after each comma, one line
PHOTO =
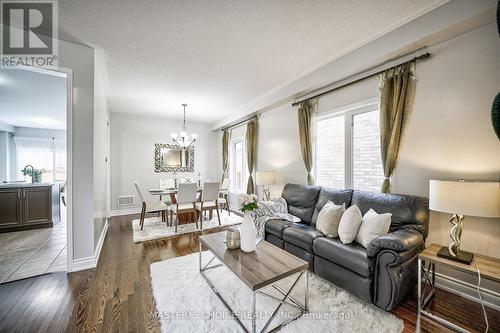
[(185, 303), (154, 228)]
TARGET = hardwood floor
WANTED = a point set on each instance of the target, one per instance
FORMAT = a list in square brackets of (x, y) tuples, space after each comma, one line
[(116, 296)]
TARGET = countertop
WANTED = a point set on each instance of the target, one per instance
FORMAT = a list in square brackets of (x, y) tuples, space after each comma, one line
[(17, 185)]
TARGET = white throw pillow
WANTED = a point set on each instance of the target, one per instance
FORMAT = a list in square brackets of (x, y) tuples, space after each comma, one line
[(329, 218), (349, 224), (372, 226)]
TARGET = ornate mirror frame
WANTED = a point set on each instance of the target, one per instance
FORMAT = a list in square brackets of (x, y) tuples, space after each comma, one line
[(161, 168)]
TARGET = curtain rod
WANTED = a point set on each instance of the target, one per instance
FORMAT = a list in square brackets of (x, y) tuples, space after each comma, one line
[(364, 75), (238, 123)]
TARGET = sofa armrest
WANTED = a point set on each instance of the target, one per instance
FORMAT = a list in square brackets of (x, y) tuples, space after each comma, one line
[(398, 241)]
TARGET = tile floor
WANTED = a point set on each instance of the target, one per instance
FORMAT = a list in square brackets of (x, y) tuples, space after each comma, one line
[(32, 252)]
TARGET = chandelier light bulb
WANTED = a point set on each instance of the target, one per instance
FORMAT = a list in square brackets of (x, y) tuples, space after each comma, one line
[(183, 139)]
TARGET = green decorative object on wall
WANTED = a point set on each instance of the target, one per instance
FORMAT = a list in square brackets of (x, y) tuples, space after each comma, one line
[(495, 114)]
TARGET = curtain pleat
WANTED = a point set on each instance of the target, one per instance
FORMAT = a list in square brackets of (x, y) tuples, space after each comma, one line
[(397, 92), (226, 135), (251, 141), (307, 116)]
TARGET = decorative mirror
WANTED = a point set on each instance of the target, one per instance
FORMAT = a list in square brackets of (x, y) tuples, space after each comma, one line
[(172, 158)]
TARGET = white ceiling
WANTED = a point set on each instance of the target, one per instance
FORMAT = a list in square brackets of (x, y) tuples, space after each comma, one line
[(32, 99), (219, 55)]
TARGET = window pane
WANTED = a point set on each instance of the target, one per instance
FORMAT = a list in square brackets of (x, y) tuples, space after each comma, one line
[(367, 163), (237, 166), (60, 167), (330, 152)]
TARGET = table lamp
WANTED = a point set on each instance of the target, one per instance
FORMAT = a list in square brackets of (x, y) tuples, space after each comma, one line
[(265, 179), (461, 198)]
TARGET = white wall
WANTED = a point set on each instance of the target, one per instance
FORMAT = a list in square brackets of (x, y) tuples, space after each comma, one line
[(101, 145), (80, 59), (450, 135), (132, 153), (4, 155)]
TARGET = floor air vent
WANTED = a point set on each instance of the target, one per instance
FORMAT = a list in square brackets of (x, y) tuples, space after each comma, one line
[(126, 200)]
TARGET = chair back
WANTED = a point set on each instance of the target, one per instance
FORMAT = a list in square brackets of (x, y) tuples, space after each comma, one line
[(187, 193), (167, 183), (225, 184), (210, 191), (139, 191)]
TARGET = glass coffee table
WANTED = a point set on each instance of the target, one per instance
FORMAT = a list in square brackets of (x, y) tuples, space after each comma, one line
[(257, 270)]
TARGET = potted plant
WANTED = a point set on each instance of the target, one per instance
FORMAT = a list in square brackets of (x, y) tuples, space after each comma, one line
[(248, 203), (35, 174)]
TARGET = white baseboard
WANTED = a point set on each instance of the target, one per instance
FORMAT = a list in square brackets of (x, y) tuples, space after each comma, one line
[(90, 262), (82, 264), (98, 248), (467, 290), (121, 212)]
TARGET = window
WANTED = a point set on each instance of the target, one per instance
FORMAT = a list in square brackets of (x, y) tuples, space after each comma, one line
[(41, 153), (348, 149), (238, 166)]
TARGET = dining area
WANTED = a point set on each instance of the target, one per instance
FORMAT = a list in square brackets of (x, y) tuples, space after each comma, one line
[(185, 203)]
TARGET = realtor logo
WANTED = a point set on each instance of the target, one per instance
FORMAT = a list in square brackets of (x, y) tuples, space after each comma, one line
[(29, 33)]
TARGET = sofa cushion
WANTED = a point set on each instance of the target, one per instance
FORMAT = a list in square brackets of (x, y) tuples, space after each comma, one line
[(408, 211), (276, 227), (301, 200), (351, 256), (329, 219), (349, 224), (301, 235), (326, 194), (373, 226)]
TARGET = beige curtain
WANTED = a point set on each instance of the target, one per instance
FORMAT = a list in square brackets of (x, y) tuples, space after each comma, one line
[(307, 118), (226, 135), (251, 139), (397, 92)]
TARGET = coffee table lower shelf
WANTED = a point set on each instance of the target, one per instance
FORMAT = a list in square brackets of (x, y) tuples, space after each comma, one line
[(303, 308)]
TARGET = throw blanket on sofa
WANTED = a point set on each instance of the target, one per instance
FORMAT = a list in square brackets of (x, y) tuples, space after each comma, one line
[(274, 209)]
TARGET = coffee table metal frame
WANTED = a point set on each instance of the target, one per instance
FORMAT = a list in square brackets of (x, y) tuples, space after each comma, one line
[(303, 308)]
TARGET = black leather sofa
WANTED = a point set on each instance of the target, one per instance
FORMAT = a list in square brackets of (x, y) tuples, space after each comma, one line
[(386, 271)]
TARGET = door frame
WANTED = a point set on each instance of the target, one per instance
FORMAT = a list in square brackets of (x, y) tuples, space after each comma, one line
[(68, 73)]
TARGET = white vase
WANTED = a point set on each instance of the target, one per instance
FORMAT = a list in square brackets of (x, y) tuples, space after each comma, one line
[(248, 233)]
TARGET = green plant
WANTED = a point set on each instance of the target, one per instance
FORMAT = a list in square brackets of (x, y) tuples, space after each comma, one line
[(34, 173)]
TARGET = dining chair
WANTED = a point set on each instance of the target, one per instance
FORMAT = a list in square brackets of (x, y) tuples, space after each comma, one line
[(209, 200), (167, 183), (186, 198), (151, 207), (224, 195)]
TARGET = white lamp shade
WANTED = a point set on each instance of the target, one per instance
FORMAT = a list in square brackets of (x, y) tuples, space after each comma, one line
[(265, 178), (465, 198)]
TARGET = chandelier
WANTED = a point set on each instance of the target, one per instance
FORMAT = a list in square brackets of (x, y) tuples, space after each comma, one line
[(183, 139)]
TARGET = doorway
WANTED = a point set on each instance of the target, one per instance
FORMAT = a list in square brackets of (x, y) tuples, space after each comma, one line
[(35, 171)]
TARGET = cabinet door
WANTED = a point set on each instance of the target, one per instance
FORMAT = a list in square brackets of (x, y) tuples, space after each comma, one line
[(10, 207), (37, 205)]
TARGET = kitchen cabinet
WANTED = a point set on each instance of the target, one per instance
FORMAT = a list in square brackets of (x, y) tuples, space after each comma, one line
[(25, 206)]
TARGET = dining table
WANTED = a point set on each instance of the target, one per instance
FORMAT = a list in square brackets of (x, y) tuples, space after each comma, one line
[(183, 217)]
